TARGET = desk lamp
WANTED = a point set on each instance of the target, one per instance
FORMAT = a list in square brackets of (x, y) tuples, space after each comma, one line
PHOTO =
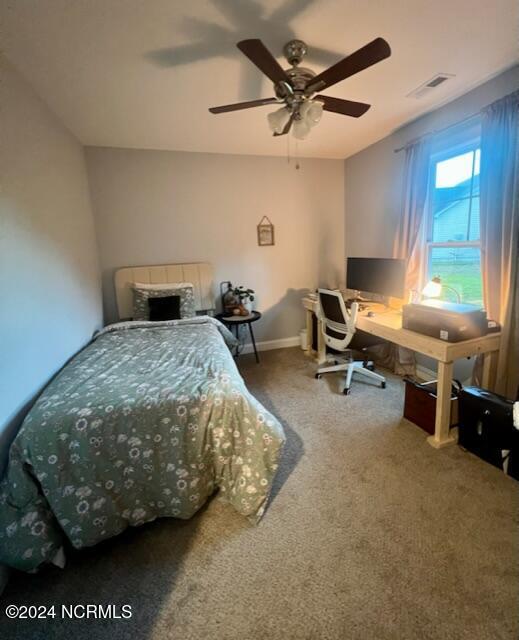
[(433, 289)]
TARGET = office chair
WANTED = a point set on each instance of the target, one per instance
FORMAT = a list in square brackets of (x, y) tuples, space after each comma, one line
[(338, 326)]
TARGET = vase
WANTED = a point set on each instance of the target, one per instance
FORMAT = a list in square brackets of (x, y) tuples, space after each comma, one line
[(248, 305)]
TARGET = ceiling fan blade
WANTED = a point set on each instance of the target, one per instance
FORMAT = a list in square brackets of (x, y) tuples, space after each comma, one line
[(345, 107), (258, 53), (243, 105), (286, 128), (363, 58)]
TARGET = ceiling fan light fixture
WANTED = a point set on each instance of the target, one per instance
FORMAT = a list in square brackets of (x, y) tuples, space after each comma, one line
[(311, 112), (301, 129), (278, 119)]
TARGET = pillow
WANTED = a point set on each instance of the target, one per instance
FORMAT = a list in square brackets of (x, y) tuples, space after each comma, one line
[(167, 308), (142, 292)]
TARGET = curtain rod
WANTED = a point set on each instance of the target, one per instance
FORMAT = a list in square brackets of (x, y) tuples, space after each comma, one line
[(436, 131)]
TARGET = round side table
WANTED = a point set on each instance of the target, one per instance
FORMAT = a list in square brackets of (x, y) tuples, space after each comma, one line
[(236, 321)]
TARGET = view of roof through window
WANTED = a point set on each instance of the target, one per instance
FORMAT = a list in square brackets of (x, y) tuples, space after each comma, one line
[(454, 171)]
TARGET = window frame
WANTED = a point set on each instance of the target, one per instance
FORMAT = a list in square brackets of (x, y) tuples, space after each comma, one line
[(473, 143)]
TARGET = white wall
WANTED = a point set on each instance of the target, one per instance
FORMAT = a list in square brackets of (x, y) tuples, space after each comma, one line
[(154, 207), (373, 177), (49, 273)]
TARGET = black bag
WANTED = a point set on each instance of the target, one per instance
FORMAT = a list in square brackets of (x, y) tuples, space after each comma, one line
[(486, 428)]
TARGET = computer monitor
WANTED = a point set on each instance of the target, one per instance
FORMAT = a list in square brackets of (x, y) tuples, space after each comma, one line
[(383, 276)]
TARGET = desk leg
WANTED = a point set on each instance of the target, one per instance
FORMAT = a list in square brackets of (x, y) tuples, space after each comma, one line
[(489, 368), (441, 435), (309, 332), (321, 345)]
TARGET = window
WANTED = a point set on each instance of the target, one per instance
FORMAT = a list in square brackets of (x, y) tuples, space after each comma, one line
[(453, 243)]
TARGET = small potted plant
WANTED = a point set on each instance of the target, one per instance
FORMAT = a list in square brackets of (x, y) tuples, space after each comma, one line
[(246, 298)]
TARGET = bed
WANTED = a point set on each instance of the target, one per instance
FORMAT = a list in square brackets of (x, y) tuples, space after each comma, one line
[(149, 420)]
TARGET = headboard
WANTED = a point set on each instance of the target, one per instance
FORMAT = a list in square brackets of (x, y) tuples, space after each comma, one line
[(200, 274)]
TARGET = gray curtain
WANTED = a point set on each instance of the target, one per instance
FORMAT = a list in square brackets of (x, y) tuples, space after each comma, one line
[(408, 242), (499, 216)]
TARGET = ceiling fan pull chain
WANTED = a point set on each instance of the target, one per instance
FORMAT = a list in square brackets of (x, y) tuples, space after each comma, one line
[(288, 149), (297, 155)]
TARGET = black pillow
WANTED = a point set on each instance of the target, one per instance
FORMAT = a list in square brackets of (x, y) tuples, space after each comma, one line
[(166, 308)]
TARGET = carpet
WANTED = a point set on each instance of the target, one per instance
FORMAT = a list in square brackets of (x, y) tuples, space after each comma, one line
[(371, 534)]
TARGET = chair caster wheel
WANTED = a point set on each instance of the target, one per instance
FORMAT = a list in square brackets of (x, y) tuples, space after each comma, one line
[(345, 392), (382, 385), (317, 376)]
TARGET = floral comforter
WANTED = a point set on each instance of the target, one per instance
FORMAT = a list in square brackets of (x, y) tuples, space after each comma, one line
[(147, 421)]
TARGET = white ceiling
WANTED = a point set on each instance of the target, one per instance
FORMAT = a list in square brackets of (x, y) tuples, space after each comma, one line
[(93, 63)]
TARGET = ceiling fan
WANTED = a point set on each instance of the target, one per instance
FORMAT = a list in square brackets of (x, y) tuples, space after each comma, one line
[(295, 87)]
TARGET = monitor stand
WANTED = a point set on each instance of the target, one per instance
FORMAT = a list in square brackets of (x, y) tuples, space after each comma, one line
[(368, 301), (382, 304)]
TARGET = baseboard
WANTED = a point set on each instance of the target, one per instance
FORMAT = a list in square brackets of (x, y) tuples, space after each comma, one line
[(425, 374), (269, 345)]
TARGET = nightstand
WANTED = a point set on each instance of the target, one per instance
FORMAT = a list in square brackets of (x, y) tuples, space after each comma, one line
[(237, 321)]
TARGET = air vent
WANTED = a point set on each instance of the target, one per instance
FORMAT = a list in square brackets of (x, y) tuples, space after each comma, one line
[(431, 84)]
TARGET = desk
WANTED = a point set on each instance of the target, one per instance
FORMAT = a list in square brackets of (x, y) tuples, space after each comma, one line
[(388, 325)]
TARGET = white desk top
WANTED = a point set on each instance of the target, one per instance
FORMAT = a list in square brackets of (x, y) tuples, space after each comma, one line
[(387, 324)]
